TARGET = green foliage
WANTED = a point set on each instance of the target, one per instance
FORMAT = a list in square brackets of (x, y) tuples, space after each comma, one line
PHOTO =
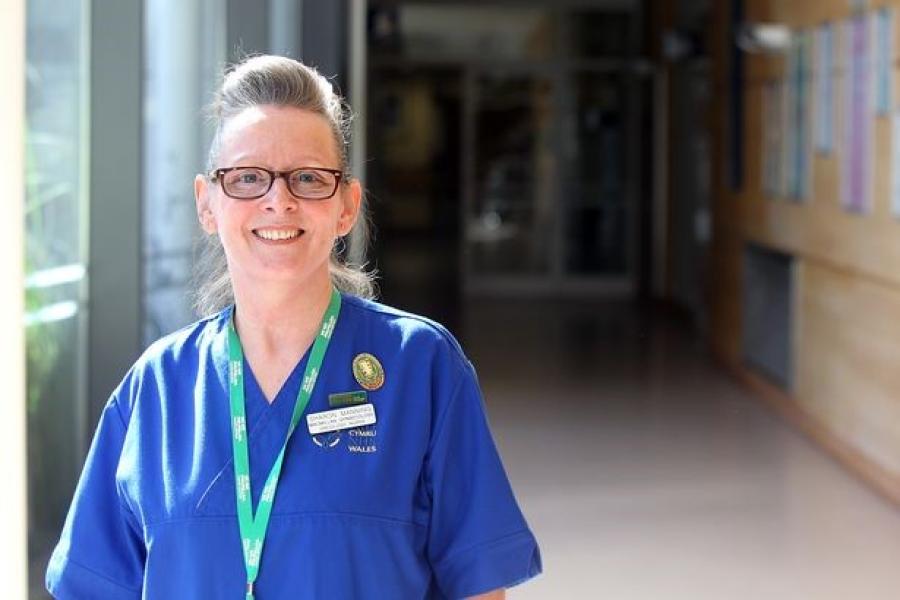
[(42, 347)]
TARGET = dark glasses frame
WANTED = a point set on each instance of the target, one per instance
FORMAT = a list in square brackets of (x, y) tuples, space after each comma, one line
[(217, 174)]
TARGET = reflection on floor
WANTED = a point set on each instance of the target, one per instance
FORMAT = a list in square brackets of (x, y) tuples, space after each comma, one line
[(648, 474)]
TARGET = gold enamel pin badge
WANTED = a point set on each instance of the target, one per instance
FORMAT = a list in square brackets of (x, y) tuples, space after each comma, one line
[(368, 371)]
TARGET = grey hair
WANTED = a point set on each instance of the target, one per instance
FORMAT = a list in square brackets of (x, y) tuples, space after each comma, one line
[(281, 81)]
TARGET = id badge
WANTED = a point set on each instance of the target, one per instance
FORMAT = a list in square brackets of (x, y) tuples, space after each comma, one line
[(340, 418)]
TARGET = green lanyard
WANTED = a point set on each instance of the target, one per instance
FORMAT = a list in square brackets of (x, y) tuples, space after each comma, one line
[(253, 530)]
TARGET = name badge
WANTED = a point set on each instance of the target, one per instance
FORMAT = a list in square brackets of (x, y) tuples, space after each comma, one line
[(340, 418)]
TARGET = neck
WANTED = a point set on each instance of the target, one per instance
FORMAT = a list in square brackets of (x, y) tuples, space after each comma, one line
[(280, 320)]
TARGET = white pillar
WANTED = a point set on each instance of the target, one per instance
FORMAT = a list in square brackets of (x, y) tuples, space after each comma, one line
[(173, 154), (13, 542), (285, 25), (358, 42)]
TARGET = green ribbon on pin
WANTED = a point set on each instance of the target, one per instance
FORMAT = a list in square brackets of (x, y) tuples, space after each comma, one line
[(347, 399)]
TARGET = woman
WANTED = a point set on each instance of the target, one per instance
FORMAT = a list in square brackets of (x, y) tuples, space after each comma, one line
[(304, 442)]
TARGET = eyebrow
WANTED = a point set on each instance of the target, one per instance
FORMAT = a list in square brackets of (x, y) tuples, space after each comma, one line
[(251, 161)]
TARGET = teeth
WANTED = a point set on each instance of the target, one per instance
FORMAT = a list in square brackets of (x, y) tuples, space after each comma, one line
[(277, 234)]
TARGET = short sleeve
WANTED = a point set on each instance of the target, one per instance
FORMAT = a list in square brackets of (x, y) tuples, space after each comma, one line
[(478, 540), (100, 552)]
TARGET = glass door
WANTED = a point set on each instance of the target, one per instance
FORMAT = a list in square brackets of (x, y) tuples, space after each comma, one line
[(550, 178), (598, 194), (512, 178)]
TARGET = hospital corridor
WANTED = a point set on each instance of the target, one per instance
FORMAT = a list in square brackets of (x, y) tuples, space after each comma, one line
[(666, 234), (650, 473)]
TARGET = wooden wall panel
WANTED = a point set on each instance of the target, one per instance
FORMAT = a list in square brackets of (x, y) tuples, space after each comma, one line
[(847, 350), (819, 228), (847, 304), (726, 296)]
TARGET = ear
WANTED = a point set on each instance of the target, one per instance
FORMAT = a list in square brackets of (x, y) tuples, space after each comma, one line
[(204, 211), (351, 202)]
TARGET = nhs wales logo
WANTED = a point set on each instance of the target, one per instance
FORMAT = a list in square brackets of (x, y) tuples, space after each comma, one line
[(361, 440), (327, 440)]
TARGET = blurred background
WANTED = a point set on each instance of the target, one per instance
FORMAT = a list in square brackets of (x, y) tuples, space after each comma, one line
[(666, 232)]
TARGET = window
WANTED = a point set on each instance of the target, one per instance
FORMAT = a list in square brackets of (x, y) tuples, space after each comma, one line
[(55, 258)]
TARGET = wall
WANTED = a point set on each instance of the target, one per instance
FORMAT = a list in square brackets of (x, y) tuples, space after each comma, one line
[(846, 325)]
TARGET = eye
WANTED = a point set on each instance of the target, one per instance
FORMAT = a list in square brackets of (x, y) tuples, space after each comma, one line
[(249, 177), (312, 183), (308, 177), (246, 182)]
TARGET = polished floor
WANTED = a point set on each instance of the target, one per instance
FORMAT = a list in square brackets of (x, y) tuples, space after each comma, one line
[(649, 474)]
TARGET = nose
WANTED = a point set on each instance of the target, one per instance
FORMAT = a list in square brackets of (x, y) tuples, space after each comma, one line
[(280, 198)]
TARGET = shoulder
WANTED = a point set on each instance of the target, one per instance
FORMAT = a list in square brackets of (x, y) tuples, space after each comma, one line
[(419, 351), (405, 332), (173, 355), (186, 339)]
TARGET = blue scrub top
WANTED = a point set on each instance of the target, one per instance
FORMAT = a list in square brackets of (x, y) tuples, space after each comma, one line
[(416, 506)]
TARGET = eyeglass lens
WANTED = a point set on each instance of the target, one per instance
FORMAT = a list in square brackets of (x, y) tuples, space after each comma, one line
[(251, 182)]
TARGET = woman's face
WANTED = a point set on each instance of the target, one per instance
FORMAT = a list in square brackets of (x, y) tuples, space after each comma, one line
[(280, 139)]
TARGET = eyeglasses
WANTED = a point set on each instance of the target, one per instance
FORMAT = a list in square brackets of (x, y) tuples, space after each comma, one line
[(250, 183)]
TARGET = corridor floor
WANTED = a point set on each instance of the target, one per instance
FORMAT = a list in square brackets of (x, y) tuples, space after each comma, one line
[(649, 474)]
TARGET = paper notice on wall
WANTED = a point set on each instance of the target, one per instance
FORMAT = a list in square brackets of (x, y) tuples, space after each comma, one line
[(883, 25), (773, 139), (797, 124), (856, 149), (895, 163), (824, 96)]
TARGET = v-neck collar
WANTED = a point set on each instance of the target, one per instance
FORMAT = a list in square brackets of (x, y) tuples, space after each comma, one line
[(257, 405), (267, 424)]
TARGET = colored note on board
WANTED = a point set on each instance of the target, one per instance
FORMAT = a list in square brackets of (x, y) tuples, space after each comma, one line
[(773, 139), (798, 144), (883, 24), (895, 163), (824, 96), (856, 149)]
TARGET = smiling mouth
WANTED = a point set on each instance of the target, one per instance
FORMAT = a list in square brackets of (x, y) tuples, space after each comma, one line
[(277, 235)]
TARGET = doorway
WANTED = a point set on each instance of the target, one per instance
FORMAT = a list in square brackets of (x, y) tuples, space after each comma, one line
[(505, 152)]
